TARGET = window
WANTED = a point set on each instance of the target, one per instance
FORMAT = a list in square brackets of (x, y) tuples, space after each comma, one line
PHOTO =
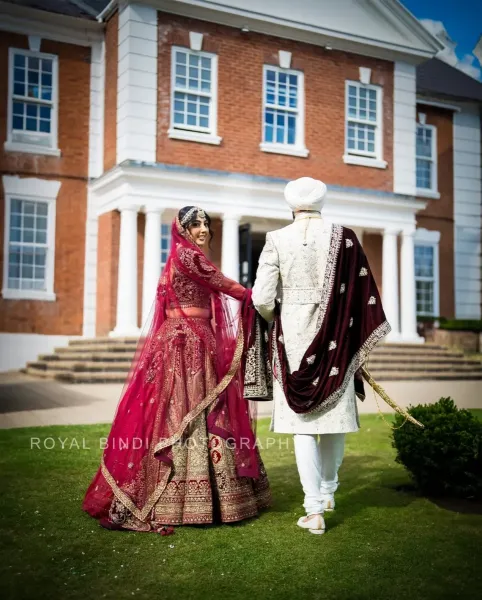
[(427, 272), (194, 96), (363, 115), (424, 278), (283, 111), (32, 102), (426, 152), (165, 243), (29, 238)]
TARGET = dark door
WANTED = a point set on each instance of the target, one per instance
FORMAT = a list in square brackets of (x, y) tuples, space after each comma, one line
[(245, 256)]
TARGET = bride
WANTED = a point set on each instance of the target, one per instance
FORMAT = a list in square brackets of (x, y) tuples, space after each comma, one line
[(182, 448)]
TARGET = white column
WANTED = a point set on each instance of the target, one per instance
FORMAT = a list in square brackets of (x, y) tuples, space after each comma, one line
[(390, 282), (152, 259), (126, 324), (409, 318), (230, 246)]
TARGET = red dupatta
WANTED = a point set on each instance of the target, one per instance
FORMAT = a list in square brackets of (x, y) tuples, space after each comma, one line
[(350, 324), (142, 434)]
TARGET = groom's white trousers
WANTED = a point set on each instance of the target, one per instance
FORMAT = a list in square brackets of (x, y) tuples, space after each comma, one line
[(318, 457)]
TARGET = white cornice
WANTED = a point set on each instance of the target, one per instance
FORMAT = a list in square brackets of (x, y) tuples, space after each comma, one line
[(251, 198), (258, 22), (61, 28)]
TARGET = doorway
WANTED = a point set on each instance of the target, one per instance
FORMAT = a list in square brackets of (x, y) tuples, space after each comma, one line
[(251, 245)]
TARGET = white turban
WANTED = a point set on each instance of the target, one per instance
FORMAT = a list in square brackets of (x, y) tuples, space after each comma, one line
[(305, 193)]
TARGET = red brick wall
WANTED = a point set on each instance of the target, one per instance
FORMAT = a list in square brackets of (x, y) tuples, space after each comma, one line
[(64, 316), (214, 252), (372, 246), (110, 96), (241, 57), (439, 214), (107, 271)]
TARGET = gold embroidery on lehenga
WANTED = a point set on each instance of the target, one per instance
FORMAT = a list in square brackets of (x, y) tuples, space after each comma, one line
[(142, 514)]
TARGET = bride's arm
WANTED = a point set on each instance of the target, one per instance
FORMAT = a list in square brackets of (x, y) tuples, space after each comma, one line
[(195, 264)]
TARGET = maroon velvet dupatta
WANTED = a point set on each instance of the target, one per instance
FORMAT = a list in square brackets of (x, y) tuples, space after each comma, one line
[(350, 324)]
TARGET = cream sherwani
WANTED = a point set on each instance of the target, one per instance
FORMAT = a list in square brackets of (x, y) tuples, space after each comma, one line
[(291, 268)]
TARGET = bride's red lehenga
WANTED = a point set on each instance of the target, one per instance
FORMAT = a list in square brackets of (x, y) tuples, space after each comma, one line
[(182, 448)]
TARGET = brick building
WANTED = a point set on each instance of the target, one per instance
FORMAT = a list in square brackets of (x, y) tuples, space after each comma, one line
[(116, 114)]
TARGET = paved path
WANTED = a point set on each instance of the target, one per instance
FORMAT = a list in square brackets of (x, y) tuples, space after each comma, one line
[(30, 402)]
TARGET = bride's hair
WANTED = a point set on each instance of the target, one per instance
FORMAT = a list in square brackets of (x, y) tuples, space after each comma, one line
[(193, 217)]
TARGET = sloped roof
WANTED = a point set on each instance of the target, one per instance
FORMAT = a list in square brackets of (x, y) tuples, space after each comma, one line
[(84, 9), (437, 77)]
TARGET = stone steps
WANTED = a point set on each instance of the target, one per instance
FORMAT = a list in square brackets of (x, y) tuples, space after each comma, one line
[(108, 360)]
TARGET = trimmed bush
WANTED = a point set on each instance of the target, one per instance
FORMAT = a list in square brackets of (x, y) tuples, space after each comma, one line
[(461, 325), (444, 458)]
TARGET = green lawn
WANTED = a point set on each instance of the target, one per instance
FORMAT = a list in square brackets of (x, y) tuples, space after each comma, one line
[(380, 543)]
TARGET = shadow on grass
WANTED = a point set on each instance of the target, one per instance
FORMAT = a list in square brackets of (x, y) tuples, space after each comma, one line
[(459, 505), (362, 485)]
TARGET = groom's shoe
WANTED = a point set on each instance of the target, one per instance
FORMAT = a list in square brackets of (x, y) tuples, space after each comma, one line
[(314, 524), (328, 501)]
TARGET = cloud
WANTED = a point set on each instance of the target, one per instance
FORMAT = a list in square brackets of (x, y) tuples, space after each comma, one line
[(467, 66), (448, 54)]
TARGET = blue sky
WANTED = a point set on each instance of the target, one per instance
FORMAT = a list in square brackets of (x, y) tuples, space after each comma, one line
[(462, 19)]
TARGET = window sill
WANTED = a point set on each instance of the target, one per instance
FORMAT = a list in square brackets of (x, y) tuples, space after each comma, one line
[(427, 194), (28, 295), (284, 149), (30, 149), (194, 136), (364, 161)]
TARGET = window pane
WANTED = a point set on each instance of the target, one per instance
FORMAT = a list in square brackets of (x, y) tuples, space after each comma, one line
[(361, 137), (425, 297), (165, 243), (19, 89), (424, 174), (27, 263), (19, 60), (17, 122), (291, 129), (424, 142), (46, 93), (362, 103), (268, 133), (424, 261)]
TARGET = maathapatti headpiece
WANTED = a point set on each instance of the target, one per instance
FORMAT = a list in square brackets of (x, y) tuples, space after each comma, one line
[(195, 209)]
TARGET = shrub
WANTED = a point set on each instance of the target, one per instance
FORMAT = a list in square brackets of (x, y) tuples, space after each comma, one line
[(444, 458), (461, 324)]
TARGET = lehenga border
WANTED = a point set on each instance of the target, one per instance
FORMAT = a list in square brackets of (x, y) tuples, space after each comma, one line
[(142, 513)]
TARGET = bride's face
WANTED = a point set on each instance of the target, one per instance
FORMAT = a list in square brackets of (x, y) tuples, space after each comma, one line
[(199, 230)]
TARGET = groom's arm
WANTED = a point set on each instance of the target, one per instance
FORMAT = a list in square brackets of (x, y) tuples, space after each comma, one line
[(267, 277)]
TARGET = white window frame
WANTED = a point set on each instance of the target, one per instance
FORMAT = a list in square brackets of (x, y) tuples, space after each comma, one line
[(433, 191), (424, 237), (31, 190), (192, 133), (298, 148), (30, 146), (358, 157)]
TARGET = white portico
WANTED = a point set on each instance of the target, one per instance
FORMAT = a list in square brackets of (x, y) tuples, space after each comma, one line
[(159, 191)]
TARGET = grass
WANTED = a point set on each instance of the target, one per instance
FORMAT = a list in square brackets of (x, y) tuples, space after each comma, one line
[(380, 543)]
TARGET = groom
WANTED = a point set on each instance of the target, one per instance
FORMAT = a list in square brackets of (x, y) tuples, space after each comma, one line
[(314, 281)]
